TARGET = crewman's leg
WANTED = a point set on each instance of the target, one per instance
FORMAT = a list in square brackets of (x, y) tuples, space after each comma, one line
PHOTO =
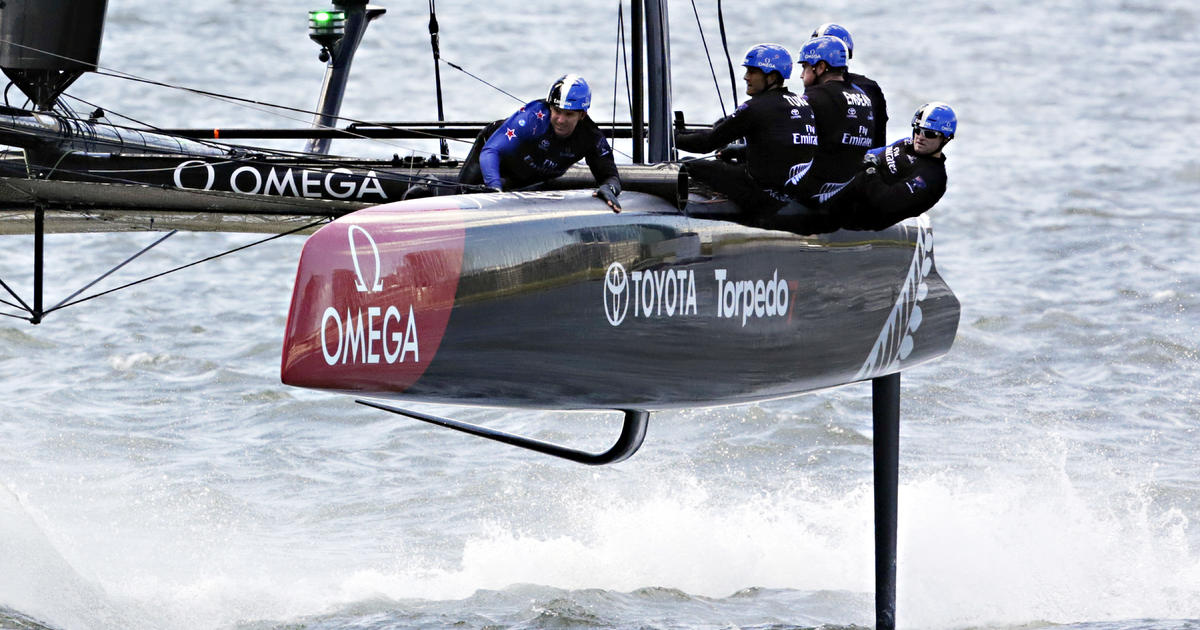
[(470, 173), (735, 183)]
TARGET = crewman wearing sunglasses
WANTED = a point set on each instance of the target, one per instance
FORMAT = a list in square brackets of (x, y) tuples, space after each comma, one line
[(901, 180)]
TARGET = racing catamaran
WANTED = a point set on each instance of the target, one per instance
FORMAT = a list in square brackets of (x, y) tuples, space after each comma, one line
[(541, 299)]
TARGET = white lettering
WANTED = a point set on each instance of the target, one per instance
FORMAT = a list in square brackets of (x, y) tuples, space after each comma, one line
[(669, 292), (798, 138), (233, 180), (771, 295), (330, 359), (356, 343), (311, 183), (410, 339), (372, 334), (397, 337), (690, 306), (636, 278), (750, 298), (208, 182), (647, 293), (857, 98), (371, 184), (347, 187), (856, 141), (355, 339), (273, 179), (746, 288)]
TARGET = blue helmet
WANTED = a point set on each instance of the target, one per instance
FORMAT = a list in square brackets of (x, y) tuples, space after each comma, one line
[(570, 91), (769, 58), (832, 50), (936, 116), (838, 31)]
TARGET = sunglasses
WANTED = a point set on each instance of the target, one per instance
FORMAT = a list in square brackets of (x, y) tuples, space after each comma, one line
[(928, 133)]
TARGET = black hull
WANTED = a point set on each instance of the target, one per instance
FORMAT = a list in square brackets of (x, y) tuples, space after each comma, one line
[(543, 317)]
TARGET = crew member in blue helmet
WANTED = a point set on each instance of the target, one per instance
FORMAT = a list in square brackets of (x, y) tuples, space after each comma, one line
[(903, 179), (871, 88), (541, 140), (780, 135), (844, 118)]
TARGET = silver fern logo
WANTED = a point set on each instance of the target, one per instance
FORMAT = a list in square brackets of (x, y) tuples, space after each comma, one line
[(895, 342)]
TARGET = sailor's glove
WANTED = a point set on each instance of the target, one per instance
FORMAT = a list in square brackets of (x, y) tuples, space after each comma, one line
[(870, 162), (733, 153), (608, 193)]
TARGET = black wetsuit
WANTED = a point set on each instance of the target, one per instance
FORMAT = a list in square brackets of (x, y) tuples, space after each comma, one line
[(845, 123), (902, 184), (781, 139), (878, 106)]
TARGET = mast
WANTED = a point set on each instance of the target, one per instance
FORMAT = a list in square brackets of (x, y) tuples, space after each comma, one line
[(357, 16), (639, 89), (658, 69)]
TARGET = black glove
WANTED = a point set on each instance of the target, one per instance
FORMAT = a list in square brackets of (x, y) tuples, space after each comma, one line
[(870, 162), (608, 193), (732, 153)]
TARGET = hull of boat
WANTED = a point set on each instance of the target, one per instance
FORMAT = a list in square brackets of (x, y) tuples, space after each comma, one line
[(548, 300)]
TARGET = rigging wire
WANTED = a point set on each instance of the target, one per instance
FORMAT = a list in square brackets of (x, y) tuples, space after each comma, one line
[(621, 56), (262, 106), (728, 60), (708, 56), (25, 307), (437, 71), (185, 266), (269, 108), (113, 270), (464, 71)]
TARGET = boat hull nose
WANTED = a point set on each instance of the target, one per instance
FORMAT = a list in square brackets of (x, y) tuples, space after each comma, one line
[(371, 302)]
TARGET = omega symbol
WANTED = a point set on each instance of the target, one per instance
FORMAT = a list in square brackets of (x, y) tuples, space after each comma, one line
[(360, 281)]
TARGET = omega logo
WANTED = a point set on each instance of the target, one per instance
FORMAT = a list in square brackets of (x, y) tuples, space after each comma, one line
[(360, 281)]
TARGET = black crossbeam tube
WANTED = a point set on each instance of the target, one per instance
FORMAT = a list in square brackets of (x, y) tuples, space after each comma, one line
[(401, 130), (885, 408)]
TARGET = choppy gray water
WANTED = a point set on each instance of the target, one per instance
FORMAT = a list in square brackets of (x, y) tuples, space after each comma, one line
[(155, 474)]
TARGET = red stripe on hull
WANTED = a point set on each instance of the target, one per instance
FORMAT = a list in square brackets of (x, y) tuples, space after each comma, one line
[(371, 301)]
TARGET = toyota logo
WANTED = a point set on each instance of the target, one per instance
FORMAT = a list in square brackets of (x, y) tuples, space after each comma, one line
[(616, 293)]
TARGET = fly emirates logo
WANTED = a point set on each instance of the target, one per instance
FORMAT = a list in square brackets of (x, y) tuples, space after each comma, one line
[(372, 335)]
